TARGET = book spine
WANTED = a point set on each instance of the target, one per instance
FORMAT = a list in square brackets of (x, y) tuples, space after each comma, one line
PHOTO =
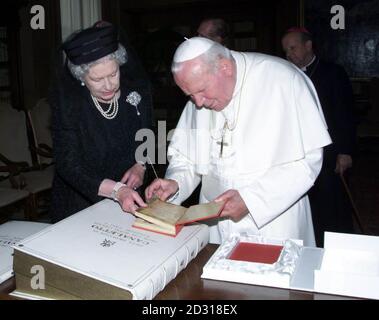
[(168, 271)]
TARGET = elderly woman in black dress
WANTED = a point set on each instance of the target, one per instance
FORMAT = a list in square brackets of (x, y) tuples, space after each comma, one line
[(101, 99)]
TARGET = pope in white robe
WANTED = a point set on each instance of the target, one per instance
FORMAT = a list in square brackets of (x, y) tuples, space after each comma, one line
[(253, 134)]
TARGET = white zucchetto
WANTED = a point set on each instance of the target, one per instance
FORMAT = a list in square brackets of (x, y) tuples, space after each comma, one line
[(192, 48)]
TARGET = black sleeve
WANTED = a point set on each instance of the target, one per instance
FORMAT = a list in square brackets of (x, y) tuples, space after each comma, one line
[(343, 100), (69, 162)]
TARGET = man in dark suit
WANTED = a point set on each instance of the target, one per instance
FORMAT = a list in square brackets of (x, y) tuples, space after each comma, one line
[(215, 29), (331, 210)]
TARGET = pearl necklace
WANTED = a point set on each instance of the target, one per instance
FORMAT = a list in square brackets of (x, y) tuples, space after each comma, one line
[(111, 112)]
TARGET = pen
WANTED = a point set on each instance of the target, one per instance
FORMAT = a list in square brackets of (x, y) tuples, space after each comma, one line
[(155, 173), (148, 158)]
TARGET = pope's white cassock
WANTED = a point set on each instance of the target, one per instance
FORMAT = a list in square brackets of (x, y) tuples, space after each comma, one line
[(272, 150)]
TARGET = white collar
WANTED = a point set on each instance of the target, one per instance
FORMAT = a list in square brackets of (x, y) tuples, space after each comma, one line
[(229, 111), (305, 67)]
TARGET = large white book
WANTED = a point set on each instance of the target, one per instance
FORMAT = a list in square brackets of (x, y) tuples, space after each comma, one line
[(11, 233), (97, 254)]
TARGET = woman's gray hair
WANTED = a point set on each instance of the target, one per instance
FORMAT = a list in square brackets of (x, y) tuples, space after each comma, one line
[(211, 58), (79, 71)]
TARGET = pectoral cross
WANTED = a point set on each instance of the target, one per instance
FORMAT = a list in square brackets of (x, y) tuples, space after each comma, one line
[(222, 143)]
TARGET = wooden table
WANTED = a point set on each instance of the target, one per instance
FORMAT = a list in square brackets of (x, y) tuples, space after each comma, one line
[(189, 286)]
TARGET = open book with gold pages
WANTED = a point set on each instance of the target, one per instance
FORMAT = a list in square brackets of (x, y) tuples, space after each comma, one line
[(167, 218)]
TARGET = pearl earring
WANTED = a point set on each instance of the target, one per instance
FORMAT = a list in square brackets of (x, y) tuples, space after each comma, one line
[(83, 84)]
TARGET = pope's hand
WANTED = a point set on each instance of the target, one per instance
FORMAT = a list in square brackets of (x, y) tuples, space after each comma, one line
[(234, 208), (129, 199), (162, 188)]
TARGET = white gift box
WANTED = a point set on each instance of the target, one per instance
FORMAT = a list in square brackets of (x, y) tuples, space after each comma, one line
[(277, 274), (348, 265)]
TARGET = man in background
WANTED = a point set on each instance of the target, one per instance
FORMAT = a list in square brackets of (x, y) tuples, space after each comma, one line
[(330, 206), (215, 29)]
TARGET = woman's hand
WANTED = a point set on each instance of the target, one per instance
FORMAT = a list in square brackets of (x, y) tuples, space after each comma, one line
[(133, 178), (162, 188), (129, 199)]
